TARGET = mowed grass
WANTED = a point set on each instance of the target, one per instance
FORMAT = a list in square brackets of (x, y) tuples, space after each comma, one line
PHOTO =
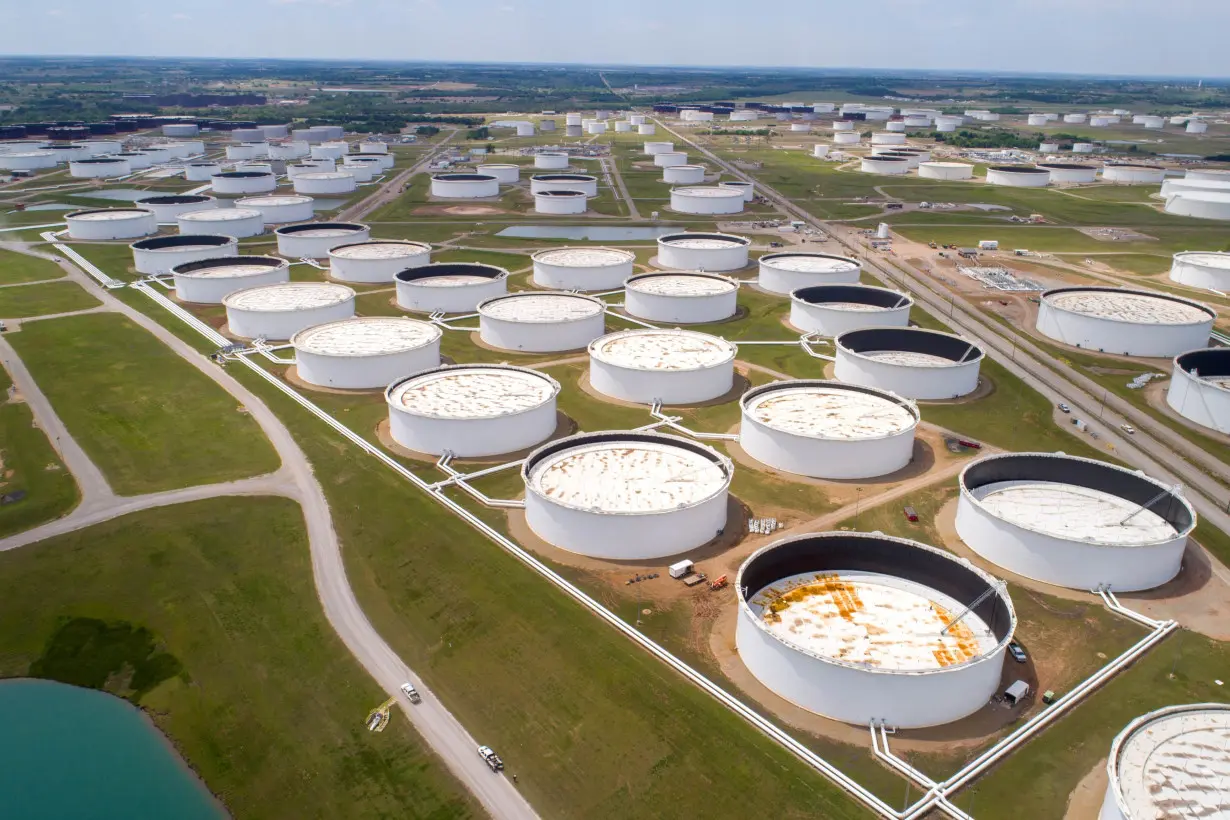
[(148, 419), (262, 699), (593, 726), (44, 299), (29, 465), (18, 267)]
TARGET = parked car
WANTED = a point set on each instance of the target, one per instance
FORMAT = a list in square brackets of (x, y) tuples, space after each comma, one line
[(1017, 652), (1063, 408)]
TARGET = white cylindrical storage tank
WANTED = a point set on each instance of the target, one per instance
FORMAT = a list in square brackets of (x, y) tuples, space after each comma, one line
[(1018, 176), (1153, 122), (160, 254), (1073, 522), (279, 208), (596, 127), (683, 174), (243, 182), (362, 171), (310, 166), (376, 162), (584, 183), (1037, 120), (1172, 186), (946, 125), (1170, 763), (282, 310), (247, 135), (525, 129), (582, 268), (473, 410), (236, 222), (1197, 127), (945, 170), (707, 200), (911, 362), (546, 125), (623, 127), (845, 138), (201, 171), (827, 429), (28, 160), (273, 132), (800, 127), (1048, 148), (646, 129), (166, 209), (887, 138), (912, 160), (843, 125), (702, 251), (1133, 174), (560, 202), (1213, 205), (1083, 147), (187, 148), (325, 182), (748, 188), (248, 150), (672, 366), (452, 287), (1209, 174), (536, 322), (180, 129), (551, 161), (1073, 118), (665, 159), (69, 152), (831, 310), (787, 271), (464, 186), (1097, 121), (140, 160), (884, 165), (1201, 269), (820, 150), (859, 627), (295, 149), (307, 135), (99, 148), (655, 148), (1123, 321), (636, 119), (99, 168), (681, 297), (1071, 173), (506, 174), (314, 240), (916, 121), (572, 119), (365, 352), (822, 108), (373, 147), (111, 223), (1200, 387), (212, 279), (329, 150), (377, 260), (895, 126), (618, 495)]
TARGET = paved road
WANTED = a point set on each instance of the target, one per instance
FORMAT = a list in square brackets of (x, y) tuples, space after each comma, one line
[(390, 189), (437, 726), (613, 172)]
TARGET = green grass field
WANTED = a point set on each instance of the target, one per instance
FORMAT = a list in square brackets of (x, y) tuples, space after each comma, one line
[(18, 267), (30, 465), (206, 616), (148, 419), (44, 299)]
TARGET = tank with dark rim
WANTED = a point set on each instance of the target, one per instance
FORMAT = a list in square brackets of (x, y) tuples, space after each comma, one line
[(437, 269), (563, 178), (301, 227), (1151, 294), (1065, 166), (465, 177), (194, 268), (1018, 169), (910, 340), (724, 237), (852, 294), (174, 199), (183, 240), (244, 174), (1208, 363)]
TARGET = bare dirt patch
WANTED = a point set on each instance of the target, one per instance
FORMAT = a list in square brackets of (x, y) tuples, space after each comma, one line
[(1085, 801), (459, 210)]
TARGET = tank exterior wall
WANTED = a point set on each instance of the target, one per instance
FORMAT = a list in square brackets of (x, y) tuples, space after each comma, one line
[(563, 277), (655, 148), (686, 203), (307, 184), (365, 372), (1199, 276), (827, 321), (657, 307), (671, 386), (201, 172), (506, 174), (1123, 338), (167, 213), (1073, 176), (558, 205), (929, 170), (646, 129), (1065, 563), (551, 162), (112, 229), (905, 380), (872, 165), (465, 189), (683, 174), (244, 185), (785, 282), (589, 187), (276, 213), (541, 337), (1199, 401), (1199, 207), (207, 290), (473, 438), (1017, 180), (371, 271), (825, 458), (162, 261), (238, 228), (99, 170), (1133, 175), (710, 259), (665, 159), (316, 247), (459, 299), (283, 324)]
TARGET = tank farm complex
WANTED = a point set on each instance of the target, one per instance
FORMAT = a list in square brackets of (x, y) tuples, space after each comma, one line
[(836, 427)]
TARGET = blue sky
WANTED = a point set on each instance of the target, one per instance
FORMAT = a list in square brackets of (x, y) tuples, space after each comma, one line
[(1169, 37)]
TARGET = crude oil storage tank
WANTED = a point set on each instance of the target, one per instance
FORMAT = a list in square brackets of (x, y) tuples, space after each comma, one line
[(672, 366), (243, 182), (683, 174), (236, 222), (1200, 387), (666, 159), (560, 202), (820, 150), (707, 200), (199, 171), (846, 138), (505, 173), (295, 149), (1124, 321), (472, 410), (111, 223), (1221, 175), (1133, 173), (282, 310), (582, 268), (453, 287), (654, 148), (911, 362), (99, 168), (827, 429), (788, 271), (646, 129), (859, 627), (28, 160), (313, 240), (1070, 173), (702, 251), (325, 182), (887, 138), (159, 254), (365, 352), (537, 322), (831, 310), (681, 298), (209, 280), (464, 186), (279, 208), (377, 260), (945, 170), (167, 208), (1170, 763), (1018, 176), (1200, 185), (626, 495), (1083, 148), (882, 164), (1201, 269), (748, 188), (584, 183), (1212, 205), (912, 160), (550, 161), (1073, 522)]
